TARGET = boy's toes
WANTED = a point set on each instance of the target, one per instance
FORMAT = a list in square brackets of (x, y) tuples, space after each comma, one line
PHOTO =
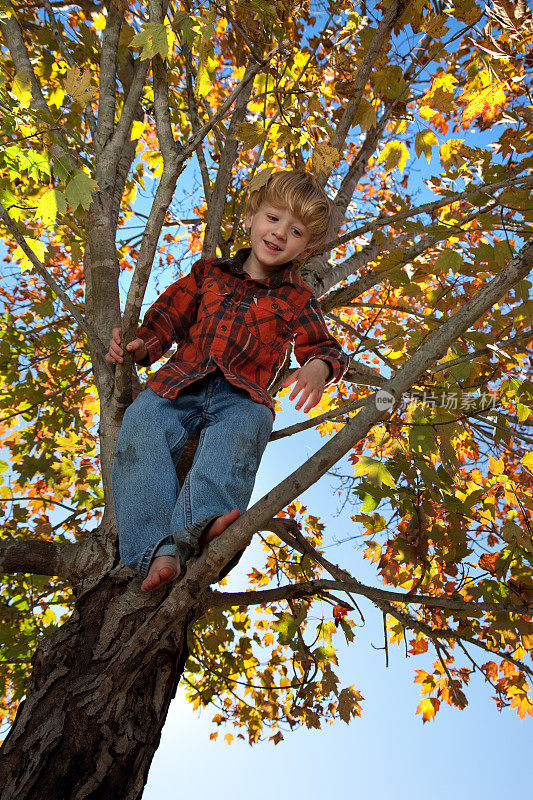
[(218, 526), (162, 570)]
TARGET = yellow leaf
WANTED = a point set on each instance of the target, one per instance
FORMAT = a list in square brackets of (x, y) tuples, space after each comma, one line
[(324, 158), (424, 141), (527, 461), (137, 129), (99, 22), (450, 152), (394, 154), (441, 94), (260, 180), (496, 466), (486, 104), (49, 204), (428, 707), (21, 88), (39, 248), (426, 112), (77, 84)]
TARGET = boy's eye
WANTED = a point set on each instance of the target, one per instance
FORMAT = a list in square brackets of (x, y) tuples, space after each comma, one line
[(296, 232), (272, 218)]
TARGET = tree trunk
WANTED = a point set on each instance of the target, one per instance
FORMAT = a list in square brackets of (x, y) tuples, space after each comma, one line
[(89, 727)]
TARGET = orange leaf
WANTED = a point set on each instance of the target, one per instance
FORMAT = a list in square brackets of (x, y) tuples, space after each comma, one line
[(486, 103), (428, 707), (496, 465), (523, 705)]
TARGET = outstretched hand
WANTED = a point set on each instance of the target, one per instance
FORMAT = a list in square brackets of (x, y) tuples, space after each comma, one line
[(115, 354), (310, 381)]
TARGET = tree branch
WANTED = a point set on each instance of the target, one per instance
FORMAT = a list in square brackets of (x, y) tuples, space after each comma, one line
[(195, 122), (85, 326), (303, 589), (386, 25), (38, 557), (21, 59), (108, 77), (428, 208), (227, 159)]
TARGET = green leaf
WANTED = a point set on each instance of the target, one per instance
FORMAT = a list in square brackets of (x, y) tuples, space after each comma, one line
[(39, 248), (79, 190), (48, 206), (370, 503), (522, 412), (448, 260), (449, 459), (286, 627), (376, 471), (186, 26), (21, 88), (155, 38)]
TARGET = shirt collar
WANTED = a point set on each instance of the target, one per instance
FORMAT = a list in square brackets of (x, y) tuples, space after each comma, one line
[(236, 264)]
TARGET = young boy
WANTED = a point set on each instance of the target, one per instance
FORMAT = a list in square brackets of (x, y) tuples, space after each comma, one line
[(232, 320)]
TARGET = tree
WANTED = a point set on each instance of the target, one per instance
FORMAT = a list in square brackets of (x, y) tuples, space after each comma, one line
[(424, 282)]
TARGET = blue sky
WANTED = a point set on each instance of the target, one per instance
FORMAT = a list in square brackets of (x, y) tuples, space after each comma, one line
[(388, 751)]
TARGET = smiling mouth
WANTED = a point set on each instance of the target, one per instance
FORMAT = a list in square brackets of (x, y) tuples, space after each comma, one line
[(272, 247)]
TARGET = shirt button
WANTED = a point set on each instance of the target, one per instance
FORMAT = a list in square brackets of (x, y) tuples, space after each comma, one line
[(223, 327), (275, 305)]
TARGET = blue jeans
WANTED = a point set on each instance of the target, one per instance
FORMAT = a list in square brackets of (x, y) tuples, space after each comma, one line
[(154, 515)]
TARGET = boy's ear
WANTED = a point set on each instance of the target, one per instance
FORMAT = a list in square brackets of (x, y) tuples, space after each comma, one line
[(247, 221)]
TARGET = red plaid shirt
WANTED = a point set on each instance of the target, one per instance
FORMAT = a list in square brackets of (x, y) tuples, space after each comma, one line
[(222, 318)]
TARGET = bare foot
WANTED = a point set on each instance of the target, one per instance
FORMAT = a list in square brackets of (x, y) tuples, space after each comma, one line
[(163, 569), (218, 526)]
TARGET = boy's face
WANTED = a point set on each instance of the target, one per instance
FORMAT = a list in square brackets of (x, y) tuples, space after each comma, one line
[(276, 237)]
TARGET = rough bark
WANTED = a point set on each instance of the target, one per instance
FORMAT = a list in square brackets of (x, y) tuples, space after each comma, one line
[(87, 728)]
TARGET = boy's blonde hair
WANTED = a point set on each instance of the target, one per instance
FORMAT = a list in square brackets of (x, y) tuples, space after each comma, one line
[(300, 192)]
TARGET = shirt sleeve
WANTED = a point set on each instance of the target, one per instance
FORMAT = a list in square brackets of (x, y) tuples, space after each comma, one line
[(313, 340), (170, 318)]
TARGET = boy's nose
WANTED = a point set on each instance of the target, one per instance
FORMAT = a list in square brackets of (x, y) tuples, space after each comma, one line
[(280, 232)]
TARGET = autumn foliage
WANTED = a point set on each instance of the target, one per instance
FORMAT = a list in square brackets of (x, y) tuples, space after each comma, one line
[(431, 172)]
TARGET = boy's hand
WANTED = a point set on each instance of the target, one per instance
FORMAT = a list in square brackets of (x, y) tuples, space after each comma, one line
[(115, 354), (310, 380)]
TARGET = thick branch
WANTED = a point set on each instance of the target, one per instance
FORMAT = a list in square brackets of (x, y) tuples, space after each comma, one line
[(172, 168), (38, 557), (108, 76)]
